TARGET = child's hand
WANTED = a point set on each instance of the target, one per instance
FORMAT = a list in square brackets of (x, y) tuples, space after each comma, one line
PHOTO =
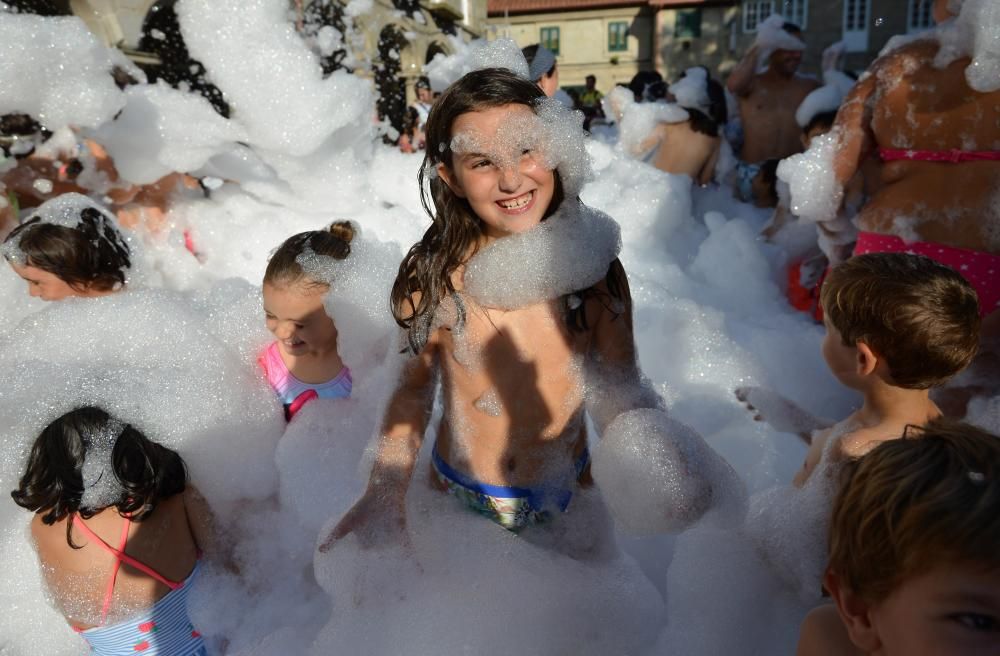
[(782, 415), (375, 520)]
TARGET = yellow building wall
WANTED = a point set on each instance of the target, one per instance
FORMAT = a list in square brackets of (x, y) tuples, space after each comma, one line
[(583, 42)]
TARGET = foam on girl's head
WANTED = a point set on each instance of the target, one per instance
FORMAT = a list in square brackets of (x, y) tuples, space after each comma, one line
[(311, 257), (75, 239), (445, 70)]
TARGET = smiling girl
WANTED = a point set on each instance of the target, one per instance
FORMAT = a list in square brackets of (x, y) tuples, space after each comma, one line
[(303, 362), (513, 293)]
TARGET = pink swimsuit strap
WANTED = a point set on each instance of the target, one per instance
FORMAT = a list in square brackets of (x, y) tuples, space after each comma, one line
[(953, 156), (120, 557)]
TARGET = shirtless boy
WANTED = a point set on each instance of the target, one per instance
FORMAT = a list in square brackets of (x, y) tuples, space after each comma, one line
[(767, 104), (896, 326)]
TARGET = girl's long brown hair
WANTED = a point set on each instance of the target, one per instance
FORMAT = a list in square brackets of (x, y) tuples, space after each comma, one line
[(455, 230)]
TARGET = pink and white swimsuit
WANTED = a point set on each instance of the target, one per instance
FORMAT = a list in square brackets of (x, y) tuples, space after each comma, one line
[(293, 392)]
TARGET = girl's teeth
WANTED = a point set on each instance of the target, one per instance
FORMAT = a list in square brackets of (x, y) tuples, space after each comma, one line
[(517, 202)]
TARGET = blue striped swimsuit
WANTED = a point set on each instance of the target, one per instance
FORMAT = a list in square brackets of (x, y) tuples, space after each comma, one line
[(163, 630)]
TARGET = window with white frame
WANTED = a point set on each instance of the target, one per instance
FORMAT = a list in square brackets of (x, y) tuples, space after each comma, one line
[(756, 11), (857, 14), (794, 11), (920, 15)]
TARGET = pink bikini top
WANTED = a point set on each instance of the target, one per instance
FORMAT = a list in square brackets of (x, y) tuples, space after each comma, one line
[(120, 557), (953, 156)]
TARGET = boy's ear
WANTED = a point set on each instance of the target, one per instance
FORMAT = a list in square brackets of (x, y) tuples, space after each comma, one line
[(449, 179), (867, 359), (854, 612)]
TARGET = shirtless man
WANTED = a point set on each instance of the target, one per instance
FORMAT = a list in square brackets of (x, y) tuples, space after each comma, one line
[(767, 103)]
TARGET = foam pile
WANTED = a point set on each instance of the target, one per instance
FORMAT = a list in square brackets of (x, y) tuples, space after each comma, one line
[(73, 67)]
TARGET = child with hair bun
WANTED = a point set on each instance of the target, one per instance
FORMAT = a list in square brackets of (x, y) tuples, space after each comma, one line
[(303, 362), (69, 247), (914, 545), (119, 533)]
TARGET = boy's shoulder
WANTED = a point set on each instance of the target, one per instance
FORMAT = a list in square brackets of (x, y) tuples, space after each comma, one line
[(858, 442)]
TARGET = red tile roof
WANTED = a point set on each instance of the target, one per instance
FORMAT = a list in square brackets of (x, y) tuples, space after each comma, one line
[(690, 3)]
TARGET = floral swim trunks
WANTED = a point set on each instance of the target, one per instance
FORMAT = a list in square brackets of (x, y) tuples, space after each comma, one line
[(510, 507)]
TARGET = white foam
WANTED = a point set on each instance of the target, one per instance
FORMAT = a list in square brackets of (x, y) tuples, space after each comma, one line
[(692, 90), (815, 194), (56, 71), (157, 119), (444, 70), (771, 37), (568, 252)]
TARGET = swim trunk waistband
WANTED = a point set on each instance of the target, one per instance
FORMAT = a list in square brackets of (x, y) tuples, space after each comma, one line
[(510, 507), (982, 270)]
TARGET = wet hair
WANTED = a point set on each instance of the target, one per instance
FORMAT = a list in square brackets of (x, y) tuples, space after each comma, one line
[(708, 124), (641, 80), (655, 91), (92, 255), (52, 482), (928, 499), (283, 269), (921, 316), (455, 230), (823, 120)]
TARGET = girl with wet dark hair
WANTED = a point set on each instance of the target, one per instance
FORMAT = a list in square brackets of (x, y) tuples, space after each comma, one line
[(119, 533), (69, 247), (515, 301)]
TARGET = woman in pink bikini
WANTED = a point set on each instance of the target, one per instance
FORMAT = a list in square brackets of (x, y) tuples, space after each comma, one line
[(119, 534), (938, 139)]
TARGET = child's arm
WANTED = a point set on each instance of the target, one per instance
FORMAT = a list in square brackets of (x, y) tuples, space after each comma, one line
[(614, 382), (816, 447), (204, 529), (379, 516), (781, 414), (631, 418)]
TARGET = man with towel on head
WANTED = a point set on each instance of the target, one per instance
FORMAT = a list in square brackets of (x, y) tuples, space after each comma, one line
[(769, 90)]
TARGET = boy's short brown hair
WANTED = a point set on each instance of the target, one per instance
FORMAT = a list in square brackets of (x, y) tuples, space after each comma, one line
[(921, 316), (929, 498)]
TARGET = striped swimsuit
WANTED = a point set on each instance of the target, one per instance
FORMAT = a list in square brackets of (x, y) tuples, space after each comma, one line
[(163, 630), (293, 392)]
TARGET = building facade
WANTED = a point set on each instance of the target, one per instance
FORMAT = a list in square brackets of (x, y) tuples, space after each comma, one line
[(610, 39), (673, 35)]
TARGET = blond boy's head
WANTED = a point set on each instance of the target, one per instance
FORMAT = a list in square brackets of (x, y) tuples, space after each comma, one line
[(915, 544), (920, 317)]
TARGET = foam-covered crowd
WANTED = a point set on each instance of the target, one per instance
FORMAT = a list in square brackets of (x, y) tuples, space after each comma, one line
[(718, 374)]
